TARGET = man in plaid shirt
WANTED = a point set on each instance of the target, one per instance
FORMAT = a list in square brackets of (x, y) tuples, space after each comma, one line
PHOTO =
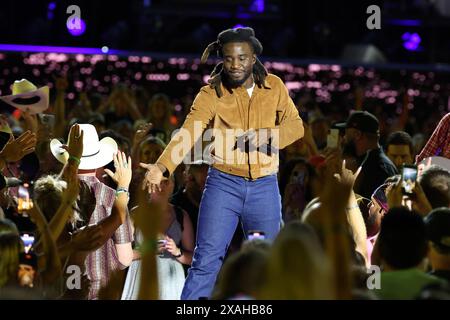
[(439, 142), (109, 206)]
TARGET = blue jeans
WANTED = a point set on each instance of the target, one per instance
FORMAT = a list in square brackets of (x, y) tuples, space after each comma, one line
[(228, 199)]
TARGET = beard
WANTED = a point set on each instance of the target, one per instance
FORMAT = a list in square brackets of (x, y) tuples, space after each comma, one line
[(236, 83), (349, 149)]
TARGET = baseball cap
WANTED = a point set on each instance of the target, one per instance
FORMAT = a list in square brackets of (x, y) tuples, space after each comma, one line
[(361, 120), (437, 224), (379, 195)]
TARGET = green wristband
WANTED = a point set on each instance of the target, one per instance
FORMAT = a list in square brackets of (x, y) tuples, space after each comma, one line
[(148, 246), (77, 160)]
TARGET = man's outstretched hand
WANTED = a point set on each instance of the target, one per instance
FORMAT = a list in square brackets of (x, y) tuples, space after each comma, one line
[(153, 177)]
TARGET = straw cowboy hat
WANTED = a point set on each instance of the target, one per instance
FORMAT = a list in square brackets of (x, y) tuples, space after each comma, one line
[(27, 97), (96, 154)]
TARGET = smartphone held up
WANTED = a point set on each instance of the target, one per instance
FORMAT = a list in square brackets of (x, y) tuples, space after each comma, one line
[(28, 241), (409, 177), (333, 139), (24, 201)]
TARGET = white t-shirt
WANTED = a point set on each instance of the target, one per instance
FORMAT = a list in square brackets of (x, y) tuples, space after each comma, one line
[(250, 90)]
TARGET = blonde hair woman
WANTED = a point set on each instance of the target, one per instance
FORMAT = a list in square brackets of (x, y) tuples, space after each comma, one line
[(298, 268)]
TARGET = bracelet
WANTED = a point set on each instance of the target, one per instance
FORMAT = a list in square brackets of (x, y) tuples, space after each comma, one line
[(122, 190), (355, 206), (77, 160), (148, 246), (179, 255)]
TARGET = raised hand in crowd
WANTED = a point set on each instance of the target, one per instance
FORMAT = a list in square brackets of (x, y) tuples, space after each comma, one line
[(417, 200), (147, 218), (420, 201), (85, 102), (16, 149), (69, 196), (122, 176), (123, 173), (334, 201), (49, 263), (31, 121), (346, 179), (139, 136), (74, 148), (61, 85), (394, 195), (75, 143)]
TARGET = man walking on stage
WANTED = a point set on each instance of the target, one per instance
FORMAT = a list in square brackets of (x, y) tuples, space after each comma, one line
[(252, 117)]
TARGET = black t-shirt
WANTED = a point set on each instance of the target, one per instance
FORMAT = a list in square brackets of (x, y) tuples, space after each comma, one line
[(376, 168)]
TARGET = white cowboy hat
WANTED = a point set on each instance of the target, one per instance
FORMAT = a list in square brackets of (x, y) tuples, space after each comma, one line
[(435, 160), (96, 154), (27, 97)]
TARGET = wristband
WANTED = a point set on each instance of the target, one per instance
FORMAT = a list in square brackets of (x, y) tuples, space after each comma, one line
[(122, 190), (77, 160), (355, 206), (179, 255), (148, 246)]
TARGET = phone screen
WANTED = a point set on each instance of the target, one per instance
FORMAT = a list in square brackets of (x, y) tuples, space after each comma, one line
[(252, 235), (24, 201), (28, 241), (409, 176), (333, 138)]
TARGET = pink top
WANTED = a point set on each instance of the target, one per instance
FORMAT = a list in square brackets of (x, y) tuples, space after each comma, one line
[(370, 244)]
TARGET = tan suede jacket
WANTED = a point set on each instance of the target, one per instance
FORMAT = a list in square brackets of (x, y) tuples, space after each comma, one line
[(228, 117)]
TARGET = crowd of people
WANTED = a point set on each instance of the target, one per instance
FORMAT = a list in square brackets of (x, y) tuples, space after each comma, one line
[(72, 183)]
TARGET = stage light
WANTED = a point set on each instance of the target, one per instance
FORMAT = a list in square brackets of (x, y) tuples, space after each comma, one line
[(77, 31), (51, 7), (257, 6), (411, 41)]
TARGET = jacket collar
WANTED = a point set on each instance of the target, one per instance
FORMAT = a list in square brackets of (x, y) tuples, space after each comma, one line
[(227, 92)]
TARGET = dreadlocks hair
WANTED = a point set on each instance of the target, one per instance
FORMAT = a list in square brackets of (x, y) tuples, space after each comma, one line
[(234, 35)]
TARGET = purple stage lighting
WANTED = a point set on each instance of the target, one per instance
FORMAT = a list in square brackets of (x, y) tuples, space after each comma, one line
[(77, 32), (51, 7), (257, 6), (411, 41), (238, 26)]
